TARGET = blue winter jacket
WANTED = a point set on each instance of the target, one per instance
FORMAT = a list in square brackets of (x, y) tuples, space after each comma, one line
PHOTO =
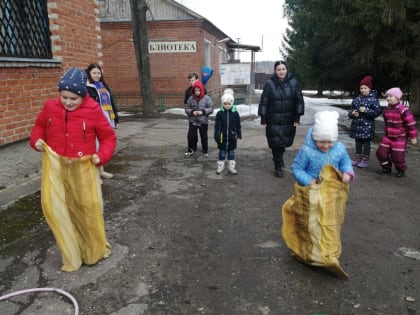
[(363, 127), (309, 161)]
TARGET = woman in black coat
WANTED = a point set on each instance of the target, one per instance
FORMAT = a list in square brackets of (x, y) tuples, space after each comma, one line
[(280, 108)]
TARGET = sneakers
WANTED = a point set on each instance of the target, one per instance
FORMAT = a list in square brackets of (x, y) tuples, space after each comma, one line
[(188, 153)]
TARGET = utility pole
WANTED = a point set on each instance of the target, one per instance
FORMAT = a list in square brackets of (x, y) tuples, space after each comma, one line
[(141, 45)]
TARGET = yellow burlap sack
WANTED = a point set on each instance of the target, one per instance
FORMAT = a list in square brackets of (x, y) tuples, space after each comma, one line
[(72, 205), (312, 220)]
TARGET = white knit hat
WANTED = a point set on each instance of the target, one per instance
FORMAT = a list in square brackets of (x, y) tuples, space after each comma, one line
[(229, 91), (326, 126), (228, 98)]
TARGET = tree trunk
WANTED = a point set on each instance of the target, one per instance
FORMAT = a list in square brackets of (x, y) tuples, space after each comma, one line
[(141, 45), (415, 95)]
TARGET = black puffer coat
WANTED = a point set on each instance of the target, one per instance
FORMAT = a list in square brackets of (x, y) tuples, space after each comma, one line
[(227, 129), (281, 106)]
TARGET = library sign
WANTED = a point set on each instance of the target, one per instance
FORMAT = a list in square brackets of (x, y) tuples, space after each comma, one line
[(172, 47)]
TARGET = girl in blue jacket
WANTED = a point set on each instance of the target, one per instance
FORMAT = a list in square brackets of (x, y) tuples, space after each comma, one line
[(321, 148), (364, 109)]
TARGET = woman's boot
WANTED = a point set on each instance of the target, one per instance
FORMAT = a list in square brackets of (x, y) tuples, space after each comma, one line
[(278, 172)]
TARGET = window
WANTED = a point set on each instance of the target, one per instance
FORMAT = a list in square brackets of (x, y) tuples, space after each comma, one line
[(207, 53), (222, 55), (24, 29)]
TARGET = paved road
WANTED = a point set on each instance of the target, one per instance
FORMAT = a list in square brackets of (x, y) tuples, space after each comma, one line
[(188, 241)]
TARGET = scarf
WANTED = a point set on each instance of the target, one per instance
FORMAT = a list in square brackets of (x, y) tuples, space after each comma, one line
[(105, 101)]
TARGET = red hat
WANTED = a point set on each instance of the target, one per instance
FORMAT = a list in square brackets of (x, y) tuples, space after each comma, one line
[(367, 80)]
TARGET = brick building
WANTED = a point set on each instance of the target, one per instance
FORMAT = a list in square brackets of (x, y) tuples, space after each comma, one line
[(43, 39), (180, 41)]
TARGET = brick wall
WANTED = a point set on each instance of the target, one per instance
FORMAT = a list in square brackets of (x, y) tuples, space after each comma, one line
[(169, 70), (26, 84)]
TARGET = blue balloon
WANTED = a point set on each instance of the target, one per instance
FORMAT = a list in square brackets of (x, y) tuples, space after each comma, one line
[(206, 73)]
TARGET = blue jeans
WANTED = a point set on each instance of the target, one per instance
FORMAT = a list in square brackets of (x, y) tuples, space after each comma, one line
[(230, 153)]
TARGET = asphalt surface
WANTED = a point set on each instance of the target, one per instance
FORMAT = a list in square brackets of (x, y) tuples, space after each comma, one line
[(20, 164), (188, 241)]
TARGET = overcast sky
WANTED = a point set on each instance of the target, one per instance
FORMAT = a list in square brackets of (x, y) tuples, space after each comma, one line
[(257, 23)]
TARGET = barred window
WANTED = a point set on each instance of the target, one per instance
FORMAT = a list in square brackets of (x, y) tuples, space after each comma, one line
[(24, 29)]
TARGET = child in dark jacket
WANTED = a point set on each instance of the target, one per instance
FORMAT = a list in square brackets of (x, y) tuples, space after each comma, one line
[(227, 130), (198, 108), (399, 126), (364, 109)]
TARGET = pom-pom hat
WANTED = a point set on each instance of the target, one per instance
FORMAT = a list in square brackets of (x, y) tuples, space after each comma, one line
[(74, 80), (396, 91), (367, 81), (229, 91), (228, 98), (325, 126)]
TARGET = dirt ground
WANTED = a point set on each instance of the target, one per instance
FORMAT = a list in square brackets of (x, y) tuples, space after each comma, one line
[(188, 241)]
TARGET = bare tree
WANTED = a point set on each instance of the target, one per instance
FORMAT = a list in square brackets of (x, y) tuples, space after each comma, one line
[(141, 45)]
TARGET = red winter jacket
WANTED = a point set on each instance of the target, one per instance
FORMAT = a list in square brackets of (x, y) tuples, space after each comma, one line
[(73, 133)]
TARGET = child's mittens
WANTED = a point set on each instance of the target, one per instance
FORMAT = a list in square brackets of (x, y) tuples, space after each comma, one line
[(38, 145), (95, 159)]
